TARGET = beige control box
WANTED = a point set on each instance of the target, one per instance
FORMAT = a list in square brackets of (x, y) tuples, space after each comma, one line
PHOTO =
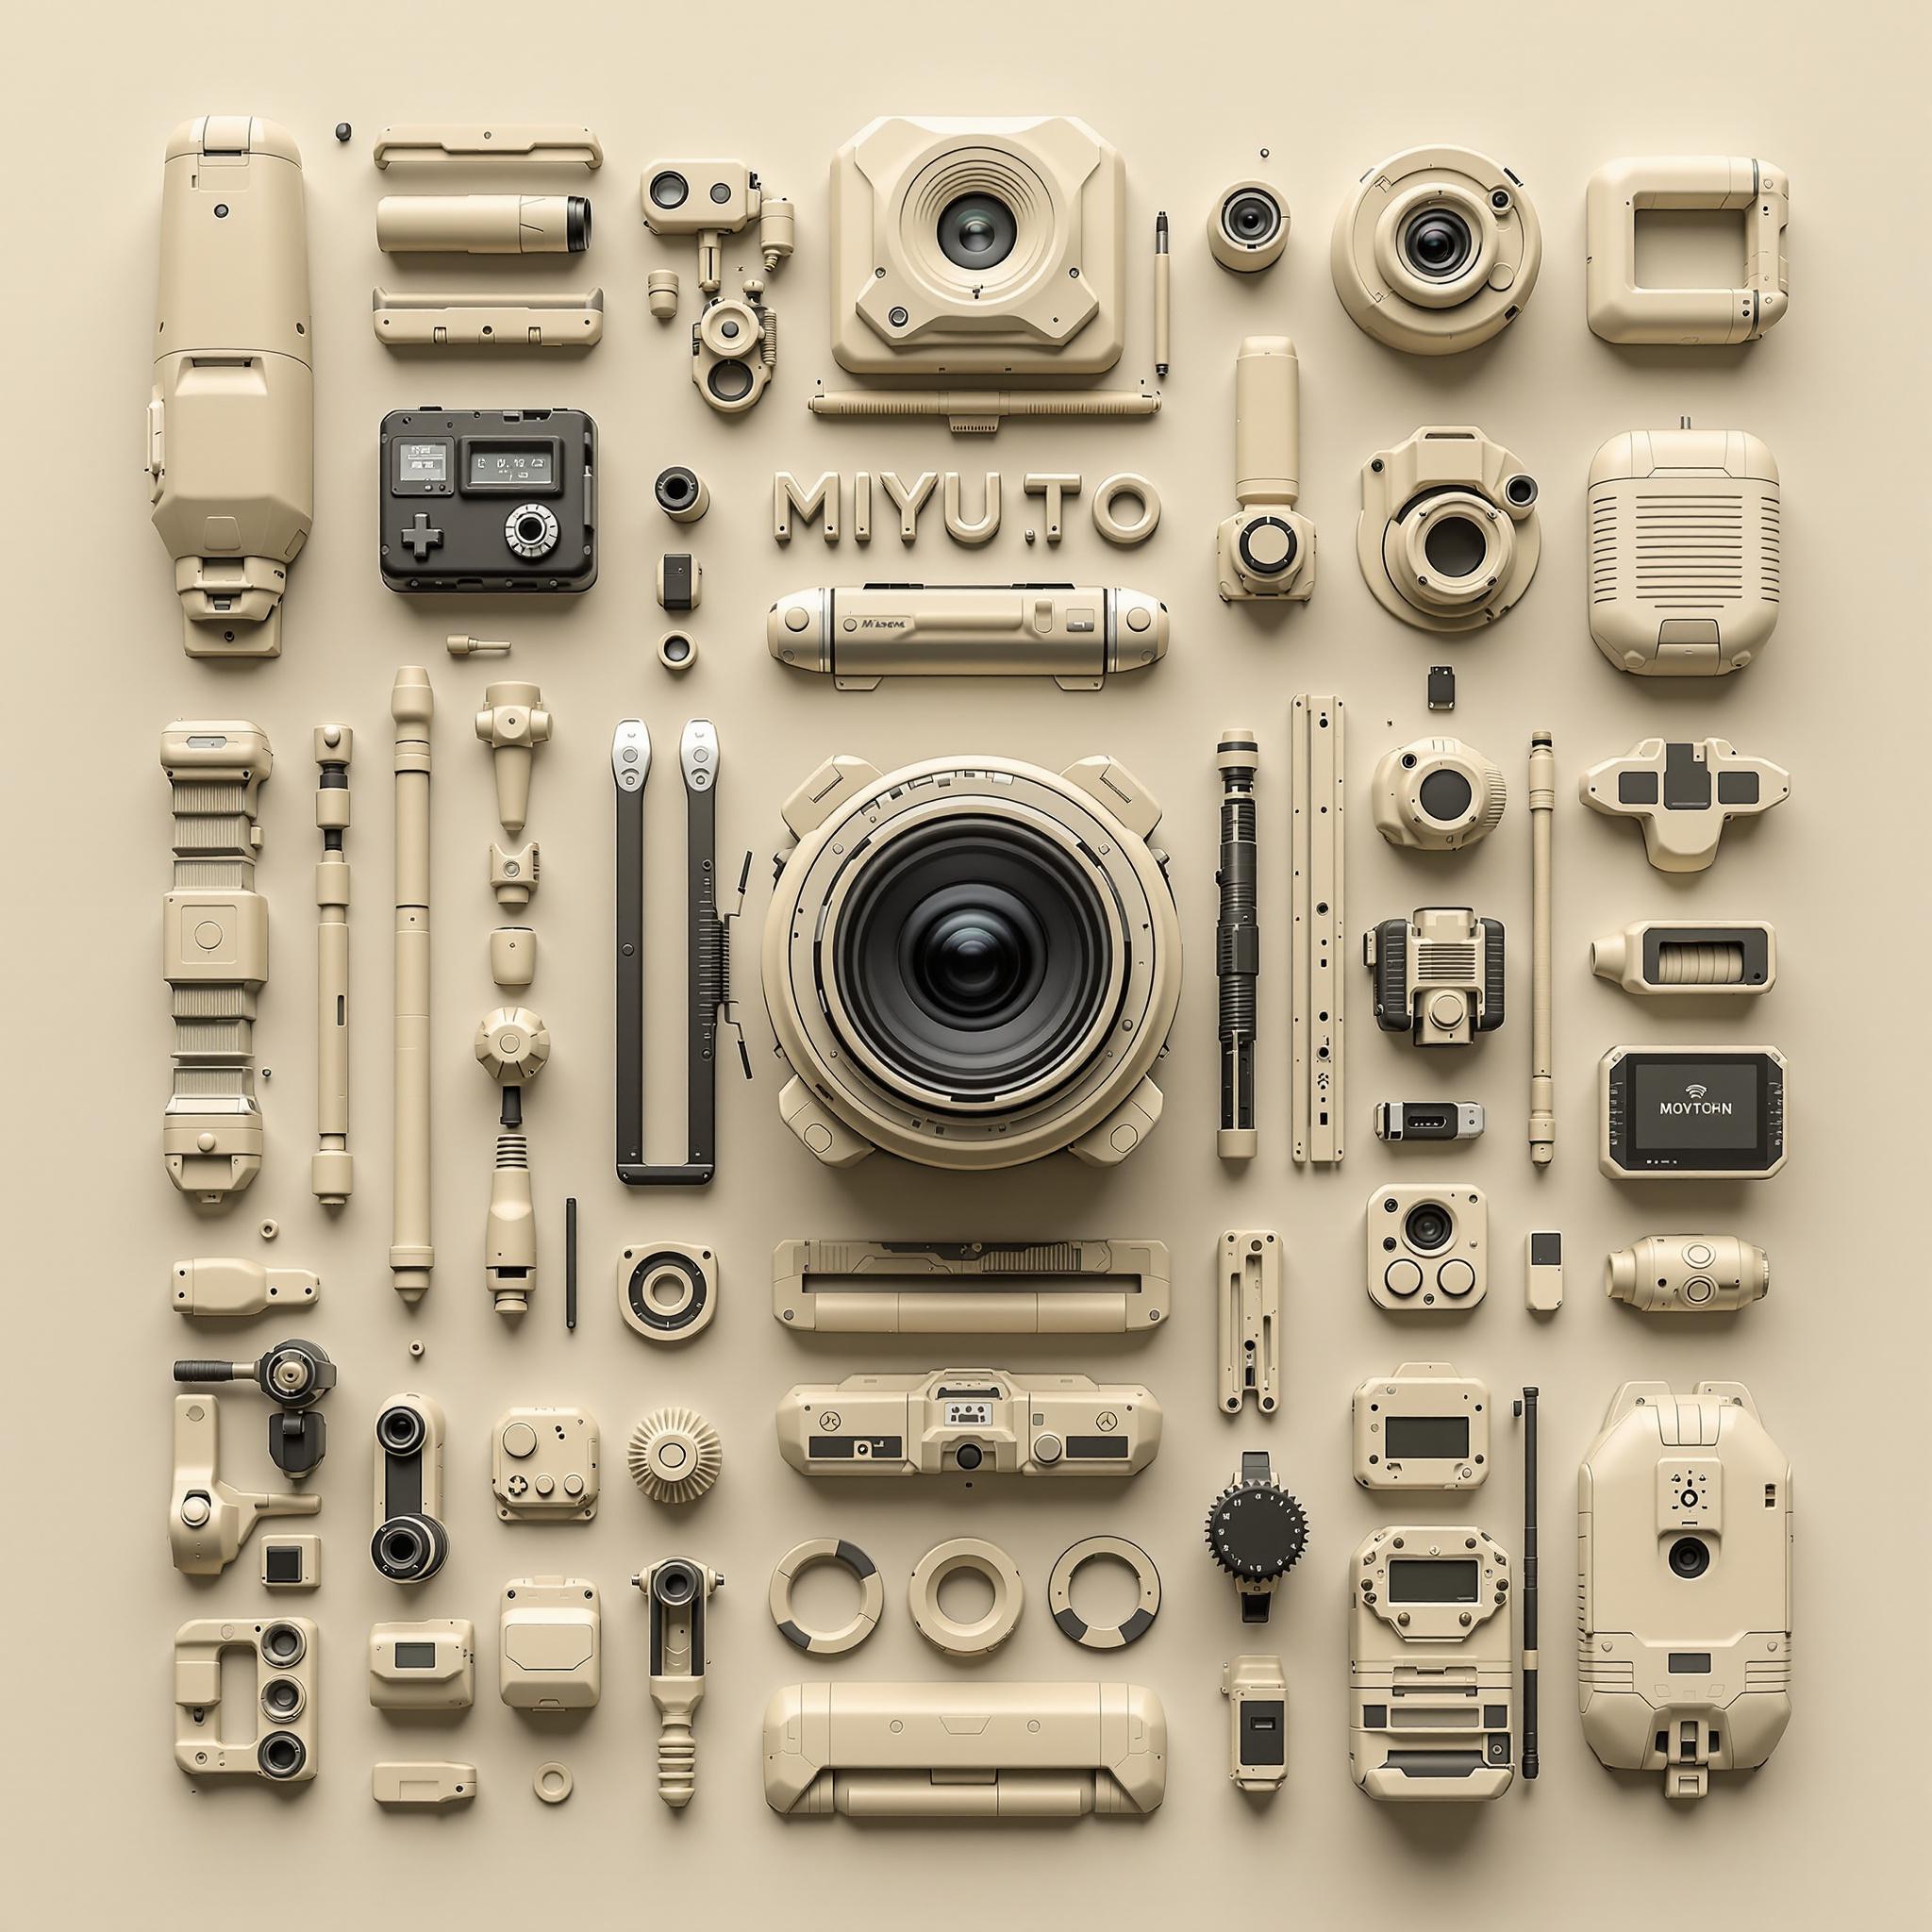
[(1424, 1427), (1683, 1584), (1426, 1247), (426, 1666), (550, 1644), (968, 1422), (544, 1466)]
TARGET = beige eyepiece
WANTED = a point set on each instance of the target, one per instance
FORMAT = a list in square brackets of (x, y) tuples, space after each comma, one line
[(483, 224), (1623, 310), (677, 651), (1448, 537), (1437, 794), (984, 1634), (1247, 226), (1436, 251)]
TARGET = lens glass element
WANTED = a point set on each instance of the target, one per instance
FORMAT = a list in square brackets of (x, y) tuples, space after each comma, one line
[(1252, 217), (1455, 547), (1437, 243), (1689, 1557), (1444, 795), (972, 956), (1427, 1226), (977, 231)]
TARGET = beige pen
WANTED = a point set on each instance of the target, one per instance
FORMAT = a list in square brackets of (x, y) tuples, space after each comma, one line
[(1163, 294)]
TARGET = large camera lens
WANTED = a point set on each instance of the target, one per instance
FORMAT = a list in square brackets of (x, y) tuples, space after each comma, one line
[(675, 1584), (1437, 243), (1455, 547), (281, 1755), (977, 231), (669, 190), (1429, 1225), (1252, 217), (973, 957), (1689, 1557), (1444, 795), (400, 1430)]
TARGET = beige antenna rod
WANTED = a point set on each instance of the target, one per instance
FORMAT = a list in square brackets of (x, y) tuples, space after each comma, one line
[(1543, 814), (332, 1171), (410, 1255)]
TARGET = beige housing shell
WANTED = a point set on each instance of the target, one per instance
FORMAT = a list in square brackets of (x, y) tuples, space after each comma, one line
[(964, 1750), (1686, 550), (275, 1737), (1053, 304), (231, 423), (1424, 1427), (1683, 1584), (549, 1638), (426, 1666)]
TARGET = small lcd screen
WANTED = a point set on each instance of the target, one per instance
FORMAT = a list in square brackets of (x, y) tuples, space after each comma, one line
[(1699, 1104), (423, 462), (415, 1656), (1433, 1579), (1419, 1438), (513, 466)]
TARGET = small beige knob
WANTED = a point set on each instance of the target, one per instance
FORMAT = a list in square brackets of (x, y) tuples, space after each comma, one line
[(512, 1045)]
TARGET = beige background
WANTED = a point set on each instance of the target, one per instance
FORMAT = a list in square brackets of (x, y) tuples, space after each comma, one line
[(99, 1821)]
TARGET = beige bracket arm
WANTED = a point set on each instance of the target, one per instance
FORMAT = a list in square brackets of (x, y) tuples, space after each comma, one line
[(214, 954), (208, 1520), (331, 1169), (1250, 1324)]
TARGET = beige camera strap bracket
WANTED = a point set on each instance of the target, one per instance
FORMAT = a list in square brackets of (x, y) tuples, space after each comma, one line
[(499, 318), (970, 1287), (214, 951), (1250, 1324), (1316, 772), (472, 142)]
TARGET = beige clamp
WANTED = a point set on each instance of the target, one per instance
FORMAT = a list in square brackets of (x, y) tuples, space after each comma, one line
[(1622, 309), (225, 1285), (964, 1750), (271, 1735), (814, 1555), (448, 142), (214, 954), (970, 1287), (942, 1562), (1250, 1319)]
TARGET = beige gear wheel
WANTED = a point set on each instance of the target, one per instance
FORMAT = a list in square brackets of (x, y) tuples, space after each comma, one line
[(675, 1455)]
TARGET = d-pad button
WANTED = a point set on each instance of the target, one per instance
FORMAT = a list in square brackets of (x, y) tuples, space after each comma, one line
[(419, 536)]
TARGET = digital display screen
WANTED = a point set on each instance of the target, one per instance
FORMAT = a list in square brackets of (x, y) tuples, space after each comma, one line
[(415, 1656), (1696, 1105), (423, 462), (1433, 1579), (513, 466), (1442, 1438)]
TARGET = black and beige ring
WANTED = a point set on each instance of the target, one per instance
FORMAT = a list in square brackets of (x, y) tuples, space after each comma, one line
[(947, 1560), (1059, 1593), (809, 1556)]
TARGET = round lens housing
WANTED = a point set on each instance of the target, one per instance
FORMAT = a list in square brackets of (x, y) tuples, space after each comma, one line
[(1689, 1557), (1445, 795), (1429, 1225), (1456, 546), (1437, 243), (977, 231), (1252, 217)]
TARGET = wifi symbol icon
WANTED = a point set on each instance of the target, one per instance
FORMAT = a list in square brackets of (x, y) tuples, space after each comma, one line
[(1696, 1092)]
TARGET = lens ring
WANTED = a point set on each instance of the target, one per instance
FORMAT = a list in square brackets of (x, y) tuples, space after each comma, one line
[(284, 1646), (281, 1755), (401, 1429), (1252, 217), (1457, 546), (977, 231), (972, 956), (1428, 1226), (1437, 243), (730, 380), (669, 190), (1445, 795), (1689, 1557)]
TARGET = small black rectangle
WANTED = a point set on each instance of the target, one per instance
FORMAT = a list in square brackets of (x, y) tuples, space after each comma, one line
[(1264, 1731), (512, 466), (1736, 788), (1495, 1717), (1096, 1448), (1689, 1664), (1637, 788), (1426, 1438), (1433, 1579), (845, 1448), (1441, 687), (282, 1563), (412, 1656), (1546, 1249), (1687, 778), (1374, 1717)]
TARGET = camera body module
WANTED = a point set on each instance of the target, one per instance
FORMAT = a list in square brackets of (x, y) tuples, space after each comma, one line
[(968, 1422), (1431, 1669), (409, 1543), (1426, 1247), (1691, 1113), (1436, 251), (1448, 537), (971, 962), (1437, 794), (1247, 226), (476, 500), (1687, 1274), (1437, 974), (1684, 1602), (978, 250)]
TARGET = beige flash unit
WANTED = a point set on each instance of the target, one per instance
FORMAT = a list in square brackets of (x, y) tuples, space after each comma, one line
[(231, 424)]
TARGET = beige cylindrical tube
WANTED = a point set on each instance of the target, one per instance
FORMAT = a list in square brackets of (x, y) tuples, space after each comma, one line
[(1542, 814), (1267, 420), (411, 1256), (483, 224), (331, 1171)]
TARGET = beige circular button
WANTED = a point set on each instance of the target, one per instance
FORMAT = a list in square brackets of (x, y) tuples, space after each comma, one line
[(1699, 1289), (1138, 619), (1446, 1010), (1047, 1448), (798, 617), (205, 1142), (1267, 546), (1401, 1278), (520, 1439), (1456, 1278), (554, 1783), (546, 1485), (1698, 1255), (208, 934), (572, 1486), (194, 1512), (1125, 1138)]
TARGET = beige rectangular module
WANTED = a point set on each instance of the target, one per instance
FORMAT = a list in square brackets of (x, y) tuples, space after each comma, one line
[(964, 1750), (515, 319), (970, 1287), (1250, 1319), (1316, 774)]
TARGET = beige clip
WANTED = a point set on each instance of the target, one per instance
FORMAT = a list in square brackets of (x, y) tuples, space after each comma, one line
[(451, 141)]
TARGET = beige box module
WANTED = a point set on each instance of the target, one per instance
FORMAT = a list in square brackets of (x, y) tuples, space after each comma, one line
[(1432, 1673), (957, 1749), (1623, 310), (231, 423), (978, 250), (1687, 1274), (1685, 530), (1683, 1584), (543, 1465), (549, 1644), (890, 1033), (1426, 1247), (426, 1666), (963, 1421), (274, 1737), (1424, 1427)]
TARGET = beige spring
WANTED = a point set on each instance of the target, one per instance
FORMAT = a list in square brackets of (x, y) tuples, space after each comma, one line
[(1716, 962)]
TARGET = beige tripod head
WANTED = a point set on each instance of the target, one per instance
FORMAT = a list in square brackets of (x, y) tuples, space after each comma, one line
[(208, 1520), (512, 723)]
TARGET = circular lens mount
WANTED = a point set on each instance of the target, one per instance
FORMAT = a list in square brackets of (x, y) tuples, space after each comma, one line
[(977, 231), (1437, 243), (1689, 1557), (1428, 1228)]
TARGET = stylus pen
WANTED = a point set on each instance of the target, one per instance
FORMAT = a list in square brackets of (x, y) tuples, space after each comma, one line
[(1542, 814), (1163, 294), (1526, 1409), (569, 1261)]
